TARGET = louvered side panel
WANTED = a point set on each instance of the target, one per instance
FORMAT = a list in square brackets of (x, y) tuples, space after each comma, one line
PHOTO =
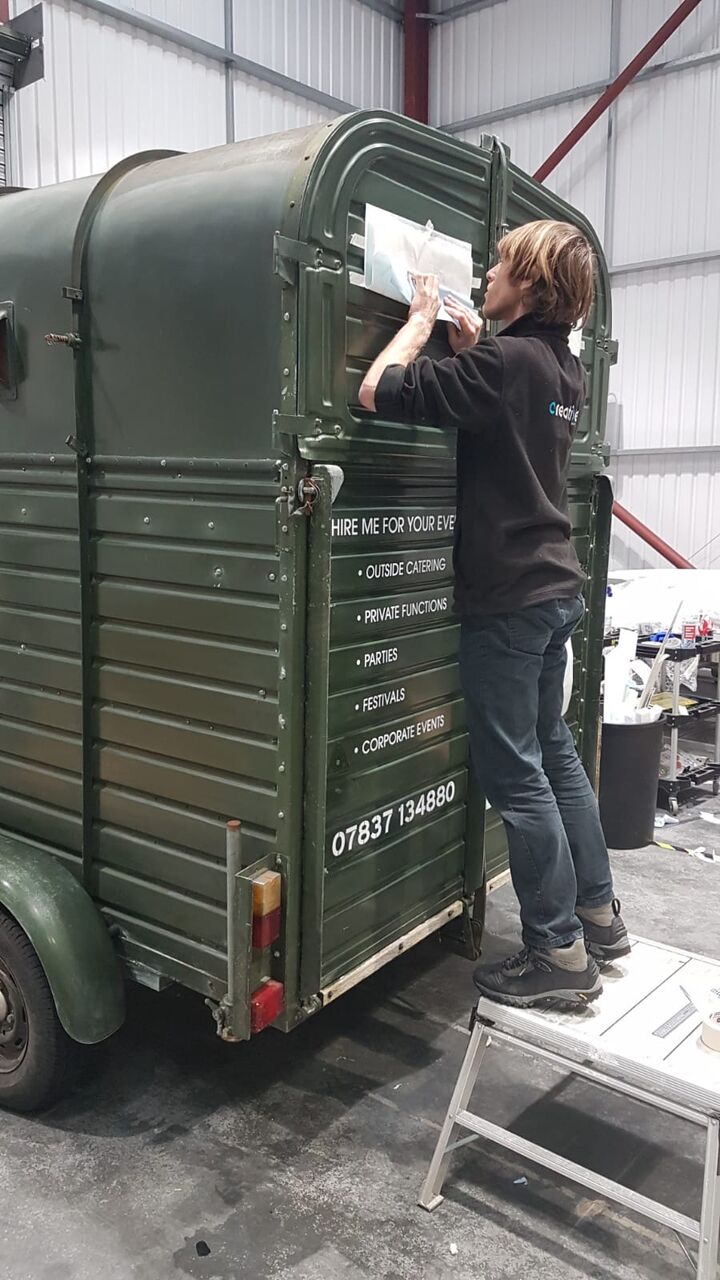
[(185, 701), (40, 743)]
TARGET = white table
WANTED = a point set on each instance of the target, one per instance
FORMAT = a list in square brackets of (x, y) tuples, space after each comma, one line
[(641, 1038)]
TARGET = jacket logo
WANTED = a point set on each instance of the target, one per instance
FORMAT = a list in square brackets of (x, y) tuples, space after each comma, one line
[(566, 411)]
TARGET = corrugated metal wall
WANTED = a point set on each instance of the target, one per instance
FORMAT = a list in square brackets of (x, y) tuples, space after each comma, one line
[(656, 197), (111, 89), (3, 151)]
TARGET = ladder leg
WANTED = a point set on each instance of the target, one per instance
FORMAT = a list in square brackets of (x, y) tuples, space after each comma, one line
[(430, 1196), (710, 1215)]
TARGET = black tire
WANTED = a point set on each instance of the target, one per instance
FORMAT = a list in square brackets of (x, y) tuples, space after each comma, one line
[(37, 1057)]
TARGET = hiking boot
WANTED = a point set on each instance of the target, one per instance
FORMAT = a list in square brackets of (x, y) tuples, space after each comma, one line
[(540, 980), (508, 965), (606, 943)]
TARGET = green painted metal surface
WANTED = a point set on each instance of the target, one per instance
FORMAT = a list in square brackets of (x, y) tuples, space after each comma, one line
[(185, 637), (69, 935)]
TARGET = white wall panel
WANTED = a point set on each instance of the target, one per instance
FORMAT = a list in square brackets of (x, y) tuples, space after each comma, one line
[(580, 178), (261, 108), (667, 379), (667, 198), (204, 18), (110, 90), (516, 51), (340, 46), (640, 19), (677, 495)]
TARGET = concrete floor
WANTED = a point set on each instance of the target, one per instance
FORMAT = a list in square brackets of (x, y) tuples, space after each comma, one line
[(300, 1158)]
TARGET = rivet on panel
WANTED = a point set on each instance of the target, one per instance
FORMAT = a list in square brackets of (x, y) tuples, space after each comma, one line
[(262, 693), (357, 706), (271, 577), (52, 457), (281, 814), (338, 431), (283, 673), (286, 316), (283, 577), (357, 662), (211, 524), (360, 573), (146, 519), (218, 572), (284, 529), (286, 373), (163, 462), (281, 768), (359, 618), (23, 511), (283, 626)]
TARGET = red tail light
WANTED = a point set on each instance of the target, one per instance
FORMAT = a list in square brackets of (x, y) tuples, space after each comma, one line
[(266, 1004)]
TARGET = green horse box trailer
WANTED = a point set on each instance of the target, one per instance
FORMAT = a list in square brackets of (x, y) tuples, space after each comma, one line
[(232, 750)]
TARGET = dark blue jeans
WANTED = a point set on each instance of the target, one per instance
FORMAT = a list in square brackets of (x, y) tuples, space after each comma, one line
[(512, 668)]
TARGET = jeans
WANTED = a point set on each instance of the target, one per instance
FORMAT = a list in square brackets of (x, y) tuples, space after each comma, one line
[(512, 668)]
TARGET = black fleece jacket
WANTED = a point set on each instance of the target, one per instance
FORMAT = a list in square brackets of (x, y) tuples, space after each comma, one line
[(515, 400)]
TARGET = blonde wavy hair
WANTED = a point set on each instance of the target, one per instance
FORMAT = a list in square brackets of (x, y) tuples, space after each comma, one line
[(558, 261)]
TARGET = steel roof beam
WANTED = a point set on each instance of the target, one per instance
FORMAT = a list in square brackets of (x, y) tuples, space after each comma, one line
[(388, 8), (460, 10), (216, 53), (672, 67)]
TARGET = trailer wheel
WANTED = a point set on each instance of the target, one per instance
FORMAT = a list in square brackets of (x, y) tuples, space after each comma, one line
[(36, 1054)]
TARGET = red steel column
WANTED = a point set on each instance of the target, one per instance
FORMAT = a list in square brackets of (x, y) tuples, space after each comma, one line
[(653, 539), (416, 61), (615, 89), (4, 10)]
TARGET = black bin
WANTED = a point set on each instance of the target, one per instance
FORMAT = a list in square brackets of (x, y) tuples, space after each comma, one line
[(629, 770)]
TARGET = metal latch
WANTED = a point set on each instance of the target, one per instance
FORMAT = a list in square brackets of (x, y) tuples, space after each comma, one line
[(308, 494), (77, 447), (72, 340)]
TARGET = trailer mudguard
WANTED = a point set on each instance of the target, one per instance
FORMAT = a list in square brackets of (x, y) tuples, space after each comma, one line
[(69, 935)]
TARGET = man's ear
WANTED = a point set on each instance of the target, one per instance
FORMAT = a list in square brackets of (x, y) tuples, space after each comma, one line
[(527, 294)]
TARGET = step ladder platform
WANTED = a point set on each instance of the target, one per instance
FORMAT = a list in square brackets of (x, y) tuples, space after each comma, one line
[(646, 1025), (641, 1039)]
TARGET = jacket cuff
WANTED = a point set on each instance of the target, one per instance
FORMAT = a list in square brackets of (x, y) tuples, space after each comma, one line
[(388, 393)]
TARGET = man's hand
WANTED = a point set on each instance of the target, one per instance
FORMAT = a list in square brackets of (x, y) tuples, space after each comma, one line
[(409, 342), (470, 330), (426, 300)]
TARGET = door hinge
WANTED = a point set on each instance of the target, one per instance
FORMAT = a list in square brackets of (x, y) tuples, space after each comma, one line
[(610, 346), (291, 424), (287, 254)]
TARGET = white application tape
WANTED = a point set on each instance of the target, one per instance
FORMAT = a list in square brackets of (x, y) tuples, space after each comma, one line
[(711, 1032)]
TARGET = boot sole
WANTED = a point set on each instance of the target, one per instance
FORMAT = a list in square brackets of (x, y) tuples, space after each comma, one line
[(567, 999)]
